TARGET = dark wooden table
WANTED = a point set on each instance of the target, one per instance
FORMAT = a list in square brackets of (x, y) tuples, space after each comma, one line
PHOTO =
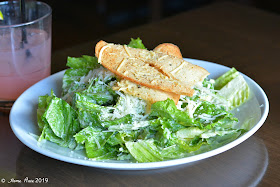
[(224, 33)]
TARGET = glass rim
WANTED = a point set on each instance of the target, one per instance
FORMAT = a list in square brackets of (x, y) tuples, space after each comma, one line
[(29, 22)]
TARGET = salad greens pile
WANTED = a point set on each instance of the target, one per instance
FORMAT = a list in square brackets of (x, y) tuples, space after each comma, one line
[(109, 124)]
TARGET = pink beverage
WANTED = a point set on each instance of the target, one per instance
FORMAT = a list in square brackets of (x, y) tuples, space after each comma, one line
[(25, 47), (23, 65)]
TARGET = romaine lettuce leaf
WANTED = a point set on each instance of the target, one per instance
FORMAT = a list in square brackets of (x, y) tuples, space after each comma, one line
[(168, 109), (60, 122), (220, 140), (71, 78), (211, 115), (144, 151), (60, 116), (88, 113), (85, 62), (112, 117), (79, 67), (100, 98), (190, 132), (136, 43), (43, 102), (97, 92), (236, 90), (99, 144), (48, 134), (225, 78)]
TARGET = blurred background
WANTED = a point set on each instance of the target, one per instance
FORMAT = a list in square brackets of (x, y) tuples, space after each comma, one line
[(97, 18), (78, 21)]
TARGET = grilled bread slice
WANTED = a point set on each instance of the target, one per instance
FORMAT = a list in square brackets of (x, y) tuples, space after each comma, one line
[(174, 50), (130, 64)]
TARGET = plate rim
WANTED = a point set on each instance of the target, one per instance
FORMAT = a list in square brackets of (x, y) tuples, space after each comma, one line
[(150, 165)]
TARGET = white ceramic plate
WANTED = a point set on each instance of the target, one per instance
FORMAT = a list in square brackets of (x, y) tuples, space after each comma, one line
[(23, 122)]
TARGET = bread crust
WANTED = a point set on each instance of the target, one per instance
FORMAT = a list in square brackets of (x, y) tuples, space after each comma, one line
[(169, 49), (98, 47)]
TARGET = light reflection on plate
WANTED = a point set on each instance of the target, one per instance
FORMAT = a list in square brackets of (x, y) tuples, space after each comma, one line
[(24, 123)]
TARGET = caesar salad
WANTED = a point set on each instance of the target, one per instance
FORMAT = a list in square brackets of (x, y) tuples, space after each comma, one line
[(113, 113)]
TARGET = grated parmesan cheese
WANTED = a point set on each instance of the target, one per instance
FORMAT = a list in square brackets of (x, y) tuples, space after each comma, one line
[(126, 105)]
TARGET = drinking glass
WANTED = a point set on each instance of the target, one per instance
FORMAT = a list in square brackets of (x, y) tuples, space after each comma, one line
[(25, 47)]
